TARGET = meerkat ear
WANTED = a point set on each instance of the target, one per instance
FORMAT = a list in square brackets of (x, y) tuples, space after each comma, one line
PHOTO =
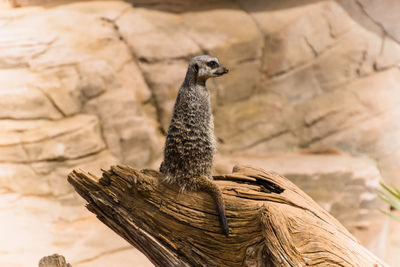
[(196, 67)]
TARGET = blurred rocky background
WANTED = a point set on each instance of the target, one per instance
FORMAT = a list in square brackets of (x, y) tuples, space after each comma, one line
[(313, 93)]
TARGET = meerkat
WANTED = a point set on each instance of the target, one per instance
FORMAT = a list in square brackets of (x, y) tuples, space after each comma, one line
[(190, 144)]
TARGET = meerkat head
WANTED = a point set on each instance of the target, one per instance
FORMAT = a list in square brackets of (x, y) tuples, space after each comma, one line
[(204, 67)]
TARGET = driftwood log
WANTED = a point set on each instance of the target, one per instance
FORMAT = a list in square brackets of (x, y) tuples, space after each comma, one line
[(272, 222), (54, 260)]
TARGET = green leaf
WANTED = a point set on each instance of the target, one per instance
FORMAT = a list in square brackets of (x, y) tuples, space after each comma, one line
[(397, 191), (391, 189), (391, 195), (390, 215), (391, 200)]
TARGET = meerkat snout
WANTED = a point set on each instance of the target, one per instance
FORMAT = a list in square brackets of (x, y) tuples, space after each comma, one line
[(221, 70), (215, 68)]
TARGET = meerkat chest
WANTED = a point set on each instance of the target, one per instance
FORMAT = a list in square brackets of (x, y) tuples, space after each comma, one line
[(199, 104)]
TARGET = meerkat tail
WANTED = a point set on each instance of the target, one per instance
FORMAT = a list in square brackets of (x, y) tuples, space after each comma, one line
[(208, 186)]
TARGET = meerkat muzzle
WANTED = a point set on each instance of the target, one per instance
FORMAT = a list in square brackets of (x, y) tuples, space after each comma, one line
[(222, 70)]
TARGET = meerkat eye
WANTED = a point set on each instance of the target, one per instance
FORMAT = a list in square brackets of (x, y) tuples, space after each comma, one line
[(212, 64)]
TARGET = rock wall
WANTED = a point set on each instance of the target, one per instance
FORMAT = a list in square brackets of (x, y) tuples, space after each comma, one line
[(314, 84)]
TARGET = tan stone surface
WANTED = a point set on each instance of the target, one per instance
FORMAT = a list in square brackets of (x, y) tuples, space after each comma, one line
[(50, 77), (20, 100), (36, 226), (92, 83), (138, 144)]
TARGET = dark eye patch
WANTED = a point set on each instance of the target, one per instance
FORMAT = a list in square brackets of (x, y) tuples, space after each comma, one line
[(212, 64)]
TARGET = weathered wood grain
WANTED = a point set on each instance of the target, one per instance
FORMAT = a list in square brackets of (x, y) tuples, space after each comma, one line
[(54, 260), (272, 222)]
